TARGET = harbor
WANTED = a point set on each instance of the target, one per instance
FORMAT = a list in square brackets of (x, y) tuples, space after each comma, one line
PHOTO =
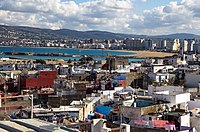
[(63, 54)]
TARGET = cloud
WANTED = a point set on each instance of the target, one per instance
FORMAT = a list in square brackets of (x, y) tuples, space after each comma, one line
[(171, 18), (109, 15), (193, 5), (144, 0), (55, 14), (171, 14)]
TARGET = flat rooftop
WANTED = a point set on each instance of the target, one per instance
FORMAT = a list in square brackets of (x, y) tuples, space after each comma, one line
[(39, 125), (60, 109), (32, 125), (12, 126)]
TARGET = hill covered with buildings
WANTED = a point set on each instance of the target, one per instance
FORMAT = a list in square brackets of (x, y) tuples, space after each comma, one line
[(22, 32)]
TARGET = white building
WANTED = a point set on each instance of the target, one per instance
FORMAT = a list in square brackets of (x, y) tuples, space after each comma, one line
[(149, 45), (184, 45), (173, 45), (163, 68), (190, 46), (161, 77), (135, 43), (163, 44), (177, 99)]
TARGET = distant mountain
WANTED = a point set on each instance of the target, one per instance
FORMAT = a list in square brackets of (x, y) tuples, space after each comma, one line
[(38, 33), (93, 34), (178, 35)]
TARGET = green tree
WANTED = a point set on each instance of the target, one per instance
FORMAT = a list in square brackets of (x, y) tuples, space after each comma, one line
[(40, 61)]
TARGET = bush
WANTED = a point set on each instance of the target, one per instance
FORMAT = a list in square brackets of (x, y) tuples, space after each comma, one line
[(40, 61)]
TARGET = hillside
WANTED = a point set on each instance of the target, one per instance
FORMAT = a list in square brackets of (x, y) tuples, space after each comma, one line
[(38, 33)]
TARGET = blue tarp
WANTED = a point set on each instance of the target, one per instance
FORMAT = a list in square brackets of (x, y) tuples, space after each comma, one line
[(90, 116), (103, 110), (121, 77)]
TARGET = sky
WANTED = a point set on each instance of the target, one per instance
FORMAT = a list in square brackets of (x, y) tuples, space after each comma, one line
[(147, 17)]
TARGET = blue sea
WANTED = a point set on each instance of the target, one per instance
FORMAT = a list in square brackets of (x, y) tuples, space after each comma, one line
[(70, 51)]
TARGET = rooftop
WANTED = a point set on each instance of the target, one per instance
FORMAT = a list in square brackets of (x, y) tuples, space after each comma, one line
[(60, 109), (9, 125), (31, 125), (38, 125)]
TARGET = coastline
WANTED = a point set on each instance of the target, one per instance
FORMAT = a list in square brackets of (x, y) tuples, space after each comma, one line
[(136, 54)]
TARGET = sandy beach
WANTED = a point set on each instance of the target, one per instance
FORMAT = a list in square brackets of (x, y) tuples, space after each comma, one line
[(147, 54)]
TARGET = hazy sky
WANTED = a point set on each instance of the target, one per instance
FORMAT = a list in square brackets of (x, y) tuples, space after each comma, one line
[(149, 17)]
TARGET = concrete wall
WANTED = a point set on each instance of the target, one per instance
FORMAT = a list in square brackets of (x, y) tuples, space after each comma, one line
[(130, 112), (135, 113), (173, 99), (185, 120), (163, 97), (181, 98)]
